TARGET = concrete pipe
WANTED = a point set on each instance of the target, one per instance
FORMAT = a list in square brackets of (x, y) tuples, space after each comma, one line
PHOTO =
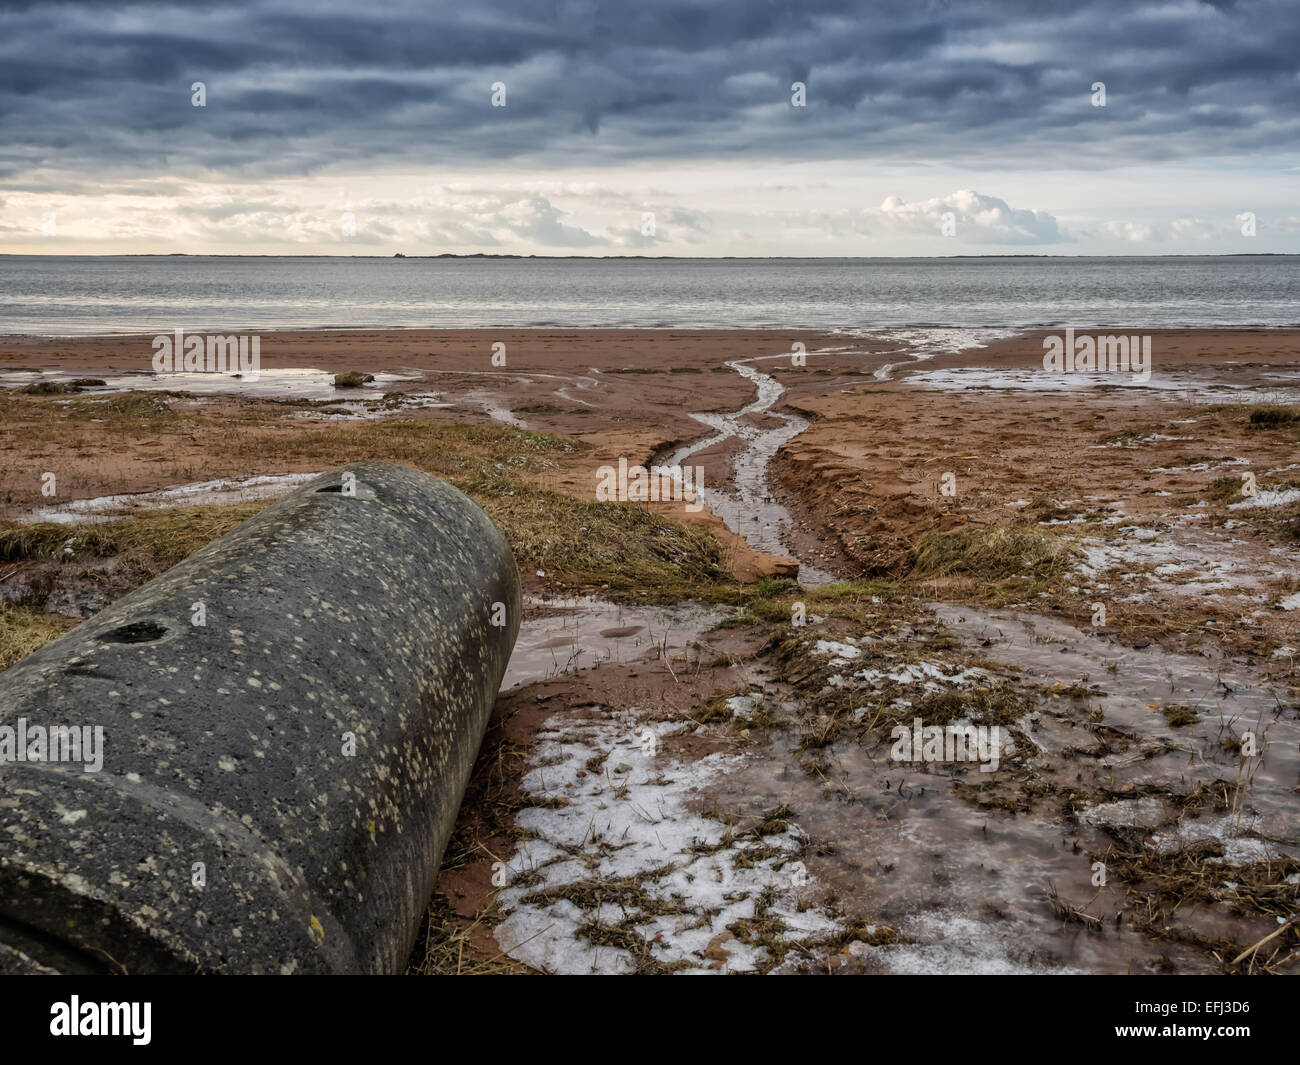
[(252, 764)]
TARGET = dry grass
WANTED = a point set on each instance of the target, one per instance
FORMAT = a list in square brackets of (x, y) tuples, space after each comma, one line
[(1160, 884), (24, 630), (626, 548), (1224, 490), (127, 410), (148, 542), (89, 441), (1274, 418), (624, 551), (992, 552)]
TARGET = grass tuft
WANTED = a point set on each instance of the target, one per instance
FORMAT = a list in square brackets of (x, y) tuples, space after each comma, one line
[(625, 547), (352, 379), (1274, 417), (24, 630), (992, 553)]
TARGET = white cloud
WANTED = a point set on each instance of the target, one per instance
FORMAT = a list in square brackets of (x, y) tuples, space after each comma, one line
[(787, 210), (535, 220), (1194, 230), (978, 219), (975, 219), (1133, 232)]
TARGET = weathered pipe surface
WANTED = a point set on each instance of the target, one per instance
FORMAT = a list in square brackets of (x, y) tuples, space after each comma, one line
[(229, 828)]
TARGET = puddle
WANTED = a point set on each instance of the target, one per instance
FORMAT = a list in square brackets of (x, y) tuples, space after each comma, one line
[(1187, 558), (751, 511), (1054, 652), (911, 854), (923, 344), (971, 885), (585, 632), (1191, 388), (392, 405), (617, 869), (494, 407), (110, 508), (279, 384), (493, 404)]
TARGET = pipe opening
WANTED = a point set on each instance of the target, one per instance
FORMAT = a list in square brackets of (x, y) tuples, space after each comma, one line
[(136, 632)]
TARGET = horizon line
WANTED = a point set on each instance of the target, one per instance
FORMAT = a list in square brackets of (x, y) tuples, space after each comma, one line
[(685, 258)]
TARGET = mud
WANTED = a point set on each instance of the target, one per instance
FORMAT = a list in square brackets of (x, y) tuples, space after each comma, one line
[(769, 749), (972, 869)]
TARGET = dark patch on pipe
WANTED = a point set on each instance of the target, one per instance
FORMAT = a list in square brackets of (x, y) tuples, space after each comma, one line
[(135, 632), (278, 782)]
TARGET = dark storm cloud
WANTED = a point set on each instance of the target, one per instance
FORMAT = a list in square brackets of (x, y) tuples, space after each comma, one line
[(296, 85)]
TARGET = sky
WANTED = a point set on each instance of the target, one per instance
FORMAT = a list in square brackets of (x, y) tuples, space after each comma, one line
[(613, 127)]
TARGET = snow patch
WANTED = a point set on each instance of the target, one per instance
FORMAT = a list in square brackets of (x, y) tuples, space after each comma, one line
[(631, 821)]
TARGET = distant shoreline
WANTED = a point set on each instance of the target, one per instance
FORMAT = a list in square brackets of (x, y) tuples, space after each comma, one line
[(647, 258), (1004, 332), (482, 335)]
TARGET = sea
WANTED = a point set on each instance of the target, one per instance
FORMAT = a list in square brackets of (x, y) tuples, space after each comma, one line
[(55, 295)]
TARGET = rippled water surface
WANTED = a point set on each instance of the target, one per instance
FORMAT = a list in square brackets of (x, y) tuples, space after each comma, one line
[(118, 294)]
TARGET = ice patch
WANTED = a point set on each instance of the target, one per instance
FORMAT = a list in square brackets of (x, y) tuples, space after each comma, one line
[(933, 675), (949, 943), (1130, 813), (613, 815), (841, 653), (110, 508), (1267, 498), (1198, 467), (1237, 850)]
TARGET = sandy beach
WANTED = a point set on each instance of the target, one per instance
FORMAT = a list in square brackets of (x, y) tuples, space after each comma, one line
[(923, 521), (889, 413)]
